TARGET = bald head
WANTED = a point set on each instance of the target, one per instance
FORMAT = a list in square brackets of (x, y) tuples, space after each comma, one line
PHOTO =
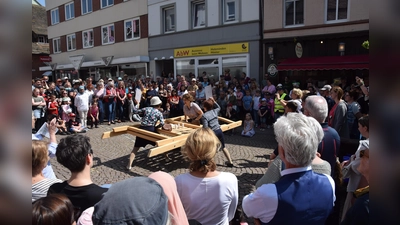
[(316, 107)]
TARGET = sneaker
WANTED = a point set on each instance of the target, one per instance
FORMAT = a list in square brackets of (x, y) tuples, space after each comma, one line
[(96, 126), (128, 167), (136, 117), (228, 164)]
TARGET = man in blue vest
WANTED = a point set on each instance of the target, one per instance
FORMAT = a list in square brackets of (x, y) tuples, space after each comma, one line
[(300, 196)]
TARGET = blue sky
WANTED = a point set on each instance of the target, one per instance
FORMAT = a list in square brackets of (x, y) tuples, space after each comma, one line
[(42, 2)]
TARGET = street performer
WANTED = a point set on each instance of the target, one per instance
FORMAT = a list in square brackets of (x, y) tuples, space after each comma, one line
[(151, 115)]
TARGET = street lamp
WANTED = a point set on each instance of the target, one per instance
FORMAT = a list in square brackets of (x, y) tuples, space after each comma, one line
[(342, 48), (271, 52)]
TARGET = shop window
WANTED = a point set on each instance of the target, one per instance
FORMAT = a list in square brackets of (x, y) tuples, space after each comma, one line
[(106, 3), (87, 38), (56, 45), (294, 12), (169, 19), (336, 10), (236, 65), (231, 11), (55, 16), (107, 34), (86, 6), (71, 42), (69, 11), (132, 29), (185, 66), (198, 14)]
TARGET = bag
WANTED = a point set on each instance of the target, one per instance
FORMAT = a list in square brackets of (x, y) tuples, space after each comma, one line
[(167, 127)]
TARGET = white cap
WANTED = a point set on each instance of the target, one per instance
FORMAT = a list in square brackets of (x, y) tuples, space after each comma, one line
[(326, 87)]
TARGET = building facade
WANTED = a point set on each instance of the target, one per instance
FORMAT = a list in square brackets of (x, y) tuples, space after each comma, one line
[(315, 40), (204, 36), (40, 44), (99, 38)]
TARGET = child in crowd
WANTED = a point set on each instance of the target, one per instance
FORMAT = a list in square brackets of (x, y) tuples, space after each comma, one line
[(271, 105), (231, 114), (53, 105), (93, 115), (248, 130), (247, 103), (66, 108), (262, 112), (74, 126), (256, 107), (166, 111)]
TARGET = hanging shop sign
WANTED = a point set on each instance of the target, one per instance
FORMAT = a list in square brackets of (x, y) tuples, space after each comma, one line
[(76, 61), (212, 50), (53, 66), (299, 50), (272, 70), (107, 60)]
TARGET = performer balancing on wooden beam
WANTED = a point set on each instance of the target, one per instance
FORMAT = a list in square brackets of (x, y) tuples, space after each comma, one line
[(210, 119), (151, 115)]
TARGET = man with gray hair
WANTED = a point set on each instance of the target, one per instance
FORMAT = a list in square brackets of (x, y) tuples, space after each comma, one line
[(306, 196), (316, 107)]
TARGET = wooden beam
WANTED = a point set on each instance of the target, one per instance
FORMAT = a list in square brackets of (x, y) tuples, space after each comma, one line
[(166, 148), (143, 136), (225, 120), (121, 128), (109, 134), (148, 133), (225, 127), (172, 139)]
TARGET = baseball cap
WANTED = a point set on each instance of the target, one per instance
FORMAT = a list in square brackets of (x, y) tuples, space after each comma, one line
[(72, 115), (81, 87), (110, 79), (193, 79), (326, 88), (65, 78), (137, 200), (129, 95), (263, 99), (119, 78), (66, 99)]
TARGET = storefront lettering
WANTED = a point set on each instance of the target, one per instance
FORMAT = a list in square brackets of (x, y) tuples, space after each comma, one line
[(212, 50)]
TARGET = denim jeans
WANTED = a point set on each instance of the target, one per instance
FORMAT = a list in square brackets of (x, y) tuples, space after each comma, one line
[(256, 117), (120, 108), (101, 110), (111, 111)]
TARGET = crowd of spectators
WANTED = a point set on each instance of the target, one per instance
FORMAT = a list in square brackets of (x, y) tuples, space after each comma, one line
[(309, 125)]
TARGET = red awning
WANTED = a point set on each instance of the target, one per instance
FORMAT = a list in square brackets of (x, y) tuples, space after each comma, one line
[(348, 62)]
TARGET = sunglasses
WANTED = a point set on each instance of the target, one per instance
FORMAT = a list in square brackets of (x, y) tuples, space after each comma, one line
[(363, 153)]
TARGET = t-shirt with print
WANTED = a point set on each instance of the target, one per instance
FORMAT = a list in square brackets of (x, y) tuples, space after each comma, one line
[(263, 109)]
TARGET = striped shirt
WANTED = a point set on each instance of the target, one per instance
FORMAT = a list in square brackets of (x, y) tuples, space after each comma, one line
[(39, 189)]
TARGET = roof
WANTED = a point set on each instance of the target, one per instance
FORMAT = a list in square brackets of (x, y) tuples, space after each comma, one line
[(351, 62), (40, 48), (39, 19)]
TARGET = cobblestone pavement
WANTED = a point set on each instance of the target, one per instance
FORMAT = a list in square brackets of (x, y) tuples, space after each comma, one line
[(250, 157)]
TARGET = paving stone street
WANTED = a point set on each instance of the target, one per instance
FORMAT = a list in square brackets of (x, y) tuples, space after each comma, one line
[(250, 157)]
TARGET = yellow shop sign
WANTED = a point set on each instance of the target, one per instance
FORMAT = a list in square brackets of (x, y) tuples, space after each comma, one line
[(212, 50)]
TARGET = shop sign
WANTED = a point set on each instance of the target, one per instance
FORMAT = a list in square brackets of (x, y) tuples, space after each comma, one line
[(53, 66), (45, 58), (299, 50), (76, 61), (212, 50), (107, 60), (272, 70)]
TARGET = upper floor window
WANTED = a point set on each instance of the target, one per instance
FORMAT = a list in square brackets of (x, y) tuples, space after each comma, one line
[(294, 12), (107, 34), (169, 19), (86, 6), (106, 3), (71, 42), (55, 16), (42, 39), (69, 11), (56, 45), (198, 14), (132, 29), (336, 10), (231, 11), (87, 38)]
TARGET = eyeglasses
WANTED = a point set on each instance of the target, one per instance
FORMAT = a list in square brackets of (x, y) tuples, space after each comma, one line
[(363, 153)]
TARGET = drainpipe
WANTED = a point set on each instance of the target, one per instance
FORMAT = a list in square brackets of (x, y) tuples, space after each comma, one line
[(262, 52)]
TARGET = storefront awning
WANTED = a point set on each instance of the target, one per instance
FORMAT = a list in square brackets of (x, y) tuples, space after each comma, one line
[(47, 73), (349, 62)]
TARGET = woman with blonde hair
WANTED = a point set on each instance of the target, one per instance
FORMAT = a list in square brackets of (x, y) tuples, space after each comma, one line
[(40, 157), (208, 196)]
